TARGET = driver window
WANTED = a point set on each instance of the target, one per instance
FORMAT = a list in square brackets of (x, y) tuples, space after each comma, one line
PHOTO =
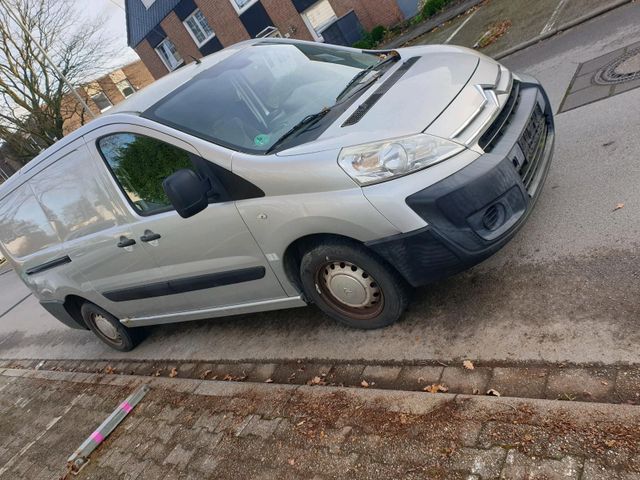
[(139, 165)]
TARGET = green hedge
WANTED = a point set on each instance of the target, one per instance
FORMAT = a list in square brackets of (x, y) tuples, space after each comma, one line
[(431, 7), (371, 39)]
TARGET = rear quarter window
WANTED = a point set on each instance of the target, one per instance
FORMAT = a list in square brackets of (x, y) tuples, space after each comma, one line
[(24, 226)]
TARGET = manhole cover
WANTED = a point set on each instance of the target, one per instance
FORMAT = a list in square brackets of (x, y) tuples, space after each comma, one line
[(623, 69)]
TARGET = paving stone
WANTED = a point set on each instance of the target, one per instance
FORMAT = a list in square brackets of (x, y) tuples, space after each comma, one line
[(580, 384), (170, 414), (260, 427), (186, 370), (486, 463), (626, 86), (382, 376), (152, 472), (595, 471), (346, 374), (179, 456), (518, 466), (164, 431), (262, 372), (416, 378), (628, 385), (461, 380), (519, 382), (208, 421), (585, 96), (599, 62)]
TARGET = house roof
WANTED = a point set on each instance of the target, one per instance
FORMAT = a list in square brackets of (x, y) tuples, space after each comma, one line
[(141, 20)]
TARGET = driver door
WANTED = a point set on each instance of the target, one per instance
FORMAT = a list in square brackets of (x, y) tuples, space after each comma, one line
[(209, 260)]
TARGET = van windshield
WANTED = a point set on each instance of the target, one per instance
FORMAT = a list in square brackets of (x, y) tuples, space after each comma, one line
[(249, 100)]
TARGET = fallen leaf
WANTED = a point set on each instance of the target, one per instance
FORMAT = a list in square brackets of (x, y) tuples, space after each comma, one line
[(436, 388), (204, 374), (493, 393), (109, 370), (468, 364), (619, 206), (476, 391), (269, 380), (316, 381), (292, 461), (610, 443), (420, 379), (173, 373), (299, 424), (604, 382), (364, 384)]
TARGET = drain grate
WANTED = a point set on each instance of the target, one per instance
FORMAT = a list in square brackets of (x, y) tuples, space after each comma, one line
[(623, 69), (603, 77)]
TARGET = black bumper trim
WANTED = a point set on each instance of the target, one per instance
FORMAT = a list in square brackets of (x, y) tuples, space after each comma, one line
[(57, 309), (455, 238)]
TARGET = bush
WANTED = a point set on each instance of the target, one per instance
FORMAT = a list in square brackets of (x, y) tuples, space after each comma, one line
[(431, 7), (370, 39), (377, 33)]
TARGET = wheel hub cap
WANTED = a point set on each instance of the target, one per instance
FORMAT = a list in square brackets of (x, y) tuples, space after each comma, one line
[(350, 285), (105, 327)]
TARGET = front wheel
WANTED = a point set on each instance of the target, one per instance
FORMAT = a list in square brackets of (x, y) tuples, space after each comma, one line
[(351, 285), (109, 329)]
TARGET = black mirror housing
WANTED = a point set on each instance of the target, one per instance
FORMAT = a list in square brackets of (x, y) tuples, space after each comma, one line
[(187, 192)]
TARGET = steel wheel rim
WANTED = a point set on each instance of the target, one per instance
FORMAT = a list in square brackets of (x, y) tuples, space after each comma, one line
[(105, 328), (350, 290)]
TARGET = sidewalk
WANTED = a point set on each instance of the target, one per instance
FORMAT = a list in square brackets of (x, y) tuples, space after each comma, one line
[(206, 429)]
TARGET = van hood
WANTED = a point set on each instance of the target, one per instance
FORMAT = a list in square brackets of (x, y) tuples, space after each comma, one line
[(412, 103)]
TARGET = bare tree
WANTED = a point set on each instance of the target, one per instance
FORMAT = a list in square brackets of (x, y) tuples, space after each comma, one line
[(34, 100)]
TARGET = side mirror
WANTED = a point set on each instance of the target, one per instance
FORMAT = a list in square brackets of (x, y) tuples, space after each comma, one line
[(187, 192)]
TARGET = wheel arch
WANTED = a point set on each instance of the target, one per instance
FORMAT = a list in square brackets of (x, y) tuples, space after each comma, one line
[(295, 251)]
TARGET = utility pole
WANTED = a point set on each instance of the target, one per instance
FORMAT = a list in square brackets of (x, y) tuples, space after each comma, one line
[(24, 28)]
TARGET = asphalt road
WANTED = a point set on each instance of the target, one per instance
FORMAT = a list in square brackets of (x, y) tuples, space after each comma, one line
[(565, 289)]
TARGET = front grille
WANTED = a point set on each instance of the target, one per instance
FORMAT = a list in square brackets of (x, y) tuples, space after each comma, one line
[(532, 143), (494, 132)]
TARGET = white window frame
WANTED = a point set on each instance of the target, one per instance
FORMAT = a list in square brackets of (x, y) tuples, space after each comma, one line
[(171, 68), (241, 10), (147, 3), (121, 89), (193, 35), (317, 34), (93, 97)]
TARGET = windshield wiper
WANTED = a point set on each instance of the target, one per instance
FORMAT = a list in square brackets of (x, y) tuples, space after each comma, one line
[(302, 124), (393, 56)]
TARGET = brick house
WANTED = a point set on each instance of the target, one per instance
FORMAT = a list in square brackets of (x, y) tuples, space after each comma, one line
[(106, 91), (169, 33)]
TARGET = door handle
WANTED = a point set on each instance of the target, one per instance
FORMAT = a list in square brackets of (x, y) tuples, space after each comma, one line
[(126, 242), (150, 236)]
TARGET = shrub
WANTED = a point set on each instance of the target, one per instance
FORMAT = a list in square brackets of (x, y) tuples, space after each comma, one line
[(370, 39), (431, 7), (377, 33)]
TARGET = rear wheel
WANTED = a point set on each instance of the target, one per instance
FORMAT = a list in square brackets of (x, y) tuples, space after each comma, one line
[(351, 285), (109, 329)]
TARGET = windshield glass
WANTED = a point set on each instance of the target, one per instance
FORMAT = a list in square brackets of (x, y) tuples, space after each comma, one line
[(248, 101)]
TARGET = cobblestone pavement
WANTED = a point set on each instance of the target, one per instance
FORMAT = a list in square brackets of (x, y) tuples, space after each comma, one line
[(187, 428)]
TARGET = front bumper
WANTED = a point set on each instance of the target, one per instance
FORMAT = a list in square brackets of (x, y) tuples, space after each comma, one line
[(474, 212)]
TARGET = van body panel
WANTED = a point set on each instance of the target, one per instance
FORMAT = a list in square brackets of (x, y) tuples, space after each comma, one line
[(216, 241)]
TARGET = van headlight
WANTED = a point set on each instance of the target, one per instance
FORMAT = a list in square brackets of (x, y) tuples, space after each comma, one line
[(376, 162)]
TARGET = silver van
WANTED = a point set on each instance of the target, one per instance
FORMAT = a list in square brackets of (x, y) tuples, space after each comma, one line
[(278, 173)]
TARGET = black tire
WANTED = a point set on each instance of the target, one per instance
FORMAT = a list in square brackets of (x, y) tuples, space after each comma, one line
[(123, 339), (325, 268)]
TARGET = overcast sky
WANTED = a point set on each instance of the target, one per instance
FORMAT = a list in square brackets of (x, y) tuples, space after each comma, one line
[(113, 12)]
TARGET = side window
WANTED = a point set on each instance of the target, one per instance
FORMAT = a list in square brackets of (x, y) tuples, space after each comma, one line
[(140, 164)]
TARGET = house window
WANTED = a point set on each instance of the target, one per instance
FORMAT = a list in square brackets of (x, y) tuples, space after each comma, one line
[(242, 5), (169, 54), (318, 17), (125, 87), (199, 28), (102, 101)]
